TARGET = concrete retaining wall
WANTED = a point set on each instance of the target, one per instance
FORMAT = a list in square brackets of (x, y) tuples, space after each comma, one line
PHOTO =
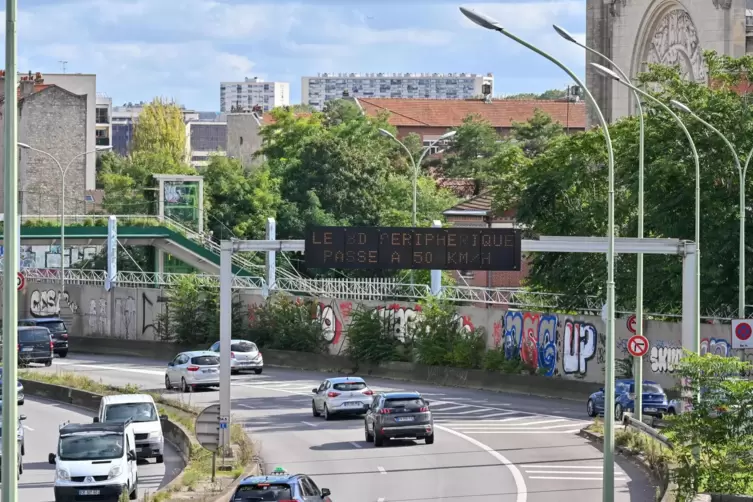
[(564, 346)]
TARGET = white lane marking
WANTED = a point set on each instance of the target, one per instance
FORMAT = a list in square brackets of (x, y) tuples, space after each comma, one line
[(356, 444), (381, 470), (501, 414), (28, 428), (500, 421), (520, 482), (245, 406), (118, 368), (559, 478), (309, 424), (547, 466), (508, 431), (471, 425), (450, 408), (563, 472), (380, 500), (465, 412)]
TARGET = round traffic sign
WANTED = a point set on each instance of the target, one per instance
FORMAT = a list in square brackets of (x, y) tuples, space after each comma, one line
[(637, 346), (631, 324), (743, 331), (20, 281)]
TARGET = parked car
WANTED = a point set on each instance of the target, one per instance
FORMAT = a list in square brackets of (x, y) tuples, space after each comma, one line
[(654, 399), (19, 387), (244, 355), (58, 330), (397, 415), (35, 345), (341, 396), (21, 444), (193, 370)]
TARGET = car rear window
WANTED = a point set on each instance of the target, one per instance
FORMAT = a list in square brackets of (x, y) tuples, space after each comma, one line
[(349, 386), (33, 335), (243, 347), (263, 492), (404, 403), (652, 389), (205, 360), (54, 326)]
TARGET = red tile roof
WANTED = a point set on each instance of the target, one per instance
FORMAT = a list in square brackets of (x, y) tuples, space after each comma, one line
[(451, 112), (37, 88)]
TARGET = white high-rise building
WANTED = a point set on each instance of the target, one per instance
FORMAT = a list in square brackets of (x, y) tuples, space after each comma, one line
[(243, 96), (316, 91)]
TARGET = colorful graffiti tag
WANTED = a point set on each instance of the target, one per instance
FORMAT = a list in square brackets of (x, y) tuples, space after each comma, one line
[(532, 337), (716, 346), (579, 346), (664, 357)]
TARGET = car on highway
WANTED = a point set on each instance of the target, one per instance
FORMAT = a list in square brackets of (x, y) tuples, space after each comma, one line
[(244, 356), (655, 402), (58, 330), (35, 345), (95, 462), (280, 487), (193, 370), (21, 444), (398, 415), (19, 389), (147, 423), (341, 396)]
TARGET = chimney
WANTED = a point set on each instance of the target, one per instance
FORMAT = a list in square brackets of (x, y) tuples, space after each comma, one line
[(27, 88)]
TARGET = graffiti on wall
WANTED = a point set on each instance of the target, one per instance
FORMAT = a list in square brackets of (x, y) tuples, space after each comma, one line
[(664, 357), (97, 317), (399, 319), (532, 337), (716, 346), (332, 326), (47, 303), (150, 316), (125, 316), (578, 347)]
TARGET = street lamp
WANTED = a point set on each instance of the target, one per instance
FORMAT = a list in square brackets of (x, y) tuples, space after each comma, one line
[(63, 172), (637, 361), (742, 171), (697, 300), (608, 468), (415, 164)]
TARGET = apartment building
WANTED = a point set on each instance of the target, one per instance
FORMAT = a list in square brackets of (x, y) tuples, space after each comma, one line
[(243, 96), (103, 121), (316, 91), (205, 138)]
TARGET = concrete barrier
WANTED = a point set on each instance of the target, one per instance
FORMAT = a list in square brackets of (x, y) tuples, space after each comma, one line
[(553, 387)]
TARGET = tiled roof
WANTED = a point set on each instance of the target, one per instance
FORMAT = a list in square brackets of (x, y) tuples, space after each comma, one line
[(451, 112), (459, 186), (481, 202), (37, 88)]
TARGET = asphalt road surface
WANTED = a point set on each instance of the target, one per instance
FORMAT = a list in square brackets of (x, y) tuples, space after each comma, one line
[(489, 446), (43, 419)]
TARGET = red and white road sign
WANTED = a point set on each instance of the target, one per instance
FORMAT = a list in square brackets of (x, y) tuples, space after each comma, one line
[(631, 324), (20, 281), (637, 346), (742, 334)]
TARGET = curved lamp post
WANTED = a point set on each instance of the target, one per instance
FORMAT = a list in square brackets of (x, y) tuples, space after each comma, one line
[(697, 310), (637, 361), (742, 171), (608, 468)]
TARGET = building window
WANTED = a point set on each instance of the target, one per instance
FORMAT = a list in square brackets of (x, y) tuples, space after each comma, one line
[(241, 140), (102, 117)]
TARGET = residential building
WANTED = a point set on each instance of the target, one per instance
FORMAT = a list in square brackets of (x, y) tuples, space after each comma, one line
[(53, 120), (242, 96), (243, 138), (204, 139), (123, 119), (316, 91), (103, 121)]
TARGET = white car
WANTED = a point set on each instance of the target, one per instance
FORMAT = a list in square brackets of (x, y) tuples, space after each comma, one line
[(341, 396), (147, 424), (244, 356), (21, 445), (193, 370)]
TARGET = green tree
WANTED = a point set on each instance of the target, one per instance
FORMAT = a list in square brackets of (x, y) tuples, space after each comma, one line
[(535, 134), (161, 129)]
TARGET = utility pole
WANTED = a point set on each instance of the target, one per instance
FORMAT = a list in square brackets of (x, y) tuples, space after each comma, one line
[(64, 64)]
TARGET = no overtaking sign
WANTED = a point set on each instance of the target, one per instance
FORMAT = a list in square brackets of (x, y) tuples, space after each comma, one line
[(638, 346)]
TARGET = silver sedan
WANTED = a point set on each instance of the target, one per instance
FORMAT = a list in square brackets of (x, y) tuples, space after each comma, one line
[(341, 396), (193, 370)]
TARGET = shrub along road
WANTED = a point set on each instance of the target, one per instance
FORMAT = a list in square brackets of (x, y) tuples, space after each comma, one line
[(489, 446)]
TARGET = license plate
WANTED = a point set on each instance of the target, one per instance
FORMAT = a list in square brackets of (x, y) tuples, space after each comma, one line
[(353, 403), (84, 493), (649, 409), (404, 419), (27, 349), (209, 371)]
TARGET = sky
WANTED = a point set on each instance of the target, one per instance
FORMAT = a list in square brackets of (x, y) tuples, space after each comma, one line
[(140, 49)]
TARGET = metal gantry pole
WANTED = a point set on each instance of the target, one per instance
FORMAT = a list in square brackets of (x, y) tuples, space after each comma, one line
[(9, 469), (226, 327)]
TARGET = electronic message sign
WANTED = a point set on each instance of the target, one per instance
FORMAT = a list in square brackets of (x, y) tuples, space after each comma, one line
[(413, 248)]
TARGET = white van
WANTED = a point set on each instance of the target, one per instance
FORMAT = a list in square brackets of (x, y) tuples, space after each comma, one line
[(96, 462), (147, 424)]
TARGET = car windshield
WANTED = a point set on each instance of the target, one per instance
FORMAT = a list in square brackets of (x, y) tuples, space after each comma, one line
[(244, 347), (346, 386), (405, 402), (53, 326), (139, 412), (205, 360), (97, 446), (263, 492)]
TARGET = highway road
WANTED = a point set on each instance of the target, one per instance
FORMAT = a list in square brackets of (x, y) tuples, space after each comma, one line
[(489, 446), (43, 418)]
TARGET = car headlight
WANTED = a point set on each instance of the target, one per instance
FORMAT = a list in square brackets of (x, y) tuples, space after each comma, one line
[(115, 472), (155, 434), (62, 475)]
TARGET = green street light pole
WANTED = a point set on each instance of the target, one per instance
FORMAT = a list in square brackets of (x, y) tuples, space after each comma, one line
[(637, 361), (608, 468), (697, 310), (741, 172)]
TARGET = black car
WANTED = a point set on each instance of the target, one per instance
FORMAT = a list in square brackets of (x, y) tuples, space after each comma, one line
[(35, 345), (397, 415), (57, 328)]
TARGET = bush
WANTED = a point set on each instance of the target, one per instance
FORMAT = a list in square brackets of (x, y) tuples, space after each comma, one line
[(442, 341), (371, 338), (284, 324)]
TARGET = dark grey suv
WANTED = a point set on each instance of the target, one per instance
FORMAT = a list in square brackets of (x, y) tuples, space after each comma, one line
[(397, 415)]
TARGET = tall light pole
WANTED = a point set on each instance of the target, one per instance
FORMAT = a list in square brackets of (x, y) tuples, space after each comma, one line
[(63, 172), (416, 165), (9, 469), (697, 314), (608, 468), (742, 171), (637, 361)]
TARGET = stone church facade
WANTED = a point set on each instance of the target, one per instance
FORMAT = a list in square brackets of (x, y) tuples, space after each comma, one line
[(634, 33)]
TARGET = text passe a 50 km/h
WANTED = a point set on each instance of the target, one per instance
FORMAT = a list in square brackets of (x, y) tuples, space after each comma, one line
[(413, 248)]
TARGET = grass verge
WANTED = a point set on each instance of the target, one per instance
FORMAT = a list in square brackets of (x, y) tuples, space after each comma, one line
[(197, 474)]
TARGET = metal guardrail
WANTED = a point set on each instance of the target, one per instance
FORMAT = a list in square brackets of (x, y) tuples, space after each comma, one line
[(629, 421)]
